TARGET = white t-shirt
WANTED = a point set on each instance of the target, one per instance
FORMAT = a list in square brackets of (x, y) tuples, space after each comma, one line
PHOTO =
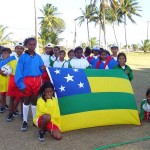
[(146, 107), (79, 63), (115, 58), (58, 63), (45, 59)]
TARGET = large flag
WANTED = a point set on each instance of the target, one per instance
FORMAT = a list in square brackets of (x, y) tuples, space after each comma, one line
[(89, 98)]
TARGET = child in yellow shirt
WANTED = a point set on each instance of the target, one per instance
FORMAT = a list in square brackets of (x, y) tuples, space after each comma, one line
[(47, 112)]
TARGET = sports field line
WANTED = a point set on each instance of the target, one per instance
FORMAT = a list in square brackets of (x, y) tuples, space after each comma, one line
[(122, 143)]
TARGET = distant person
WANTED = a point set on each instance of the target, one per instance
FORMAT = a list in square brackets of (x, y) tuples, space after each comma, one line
[(101, 63), (55, 55), (112, 59), (87, 53), (108, 54), (79, 62), (28, 78), (13, 91), (4, 77), (71, 55), (47, 116), (59, 63), (95, 57), (145, 107), (122, 65)]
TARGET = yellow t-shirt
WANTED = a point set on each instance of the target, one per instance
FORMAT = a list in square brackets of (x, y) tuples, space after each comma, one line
[(51, 107), (4, 79)]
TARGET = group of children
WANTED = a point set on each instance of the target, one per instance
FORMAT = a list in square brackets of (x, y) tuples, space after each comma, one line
[(29, 84)]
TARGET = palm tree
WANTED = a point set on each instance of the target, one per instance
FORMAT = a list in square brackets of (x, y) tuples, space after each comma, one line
[(50, 19), (104, 4), (93, 41), (4, 39), (145, 46), (128, 9), (112, 17), (86, 17)]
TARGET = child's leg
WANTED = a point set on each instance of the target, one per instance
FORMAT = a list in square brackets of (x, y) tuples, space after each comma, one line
[(26, 108), (56, 134), (44, 122), (33, 104), (3, 99), (11, 104)]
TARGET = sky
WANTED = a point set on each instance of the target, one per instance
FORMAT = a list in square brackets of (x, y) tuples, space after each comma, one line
[(18, 16)]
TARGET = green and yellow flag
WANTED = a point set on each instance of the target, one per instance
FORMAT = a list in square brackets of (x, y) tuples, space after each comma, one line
[(89, 98)]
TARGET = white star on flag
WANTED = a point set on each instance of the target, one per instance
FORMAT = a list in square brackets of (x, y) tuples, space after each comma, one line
[(62, 88), (57, 71), (75, 70), (81, 85), (69, 78)]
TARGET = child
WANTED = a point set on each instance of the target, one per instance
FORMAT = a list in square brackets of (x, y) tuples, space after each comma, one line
[(79, 62), (87, 53), (70, 56), (112, 60), (59, 63), (13, 91), (4, 79), (102, 63), (95, 57), (46, 57), (28, 78), (47, 113), (145, 107), (122, 60), (54, 57)]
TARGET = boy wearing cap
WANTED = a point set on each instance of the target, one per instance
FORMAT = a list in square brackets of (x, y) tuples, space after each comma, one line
[(13, 90), (112, 59), (92, 60)]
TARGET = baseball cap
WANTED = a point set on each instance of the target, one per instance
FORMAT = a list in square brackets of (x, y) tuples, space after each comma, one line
[(49, 45), (113, 45), (96, 48), (19, 44)]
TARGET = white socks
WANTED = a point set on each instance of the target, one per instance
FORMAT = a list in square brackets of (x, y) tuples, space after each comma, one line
[(25, 112), (33, 108)]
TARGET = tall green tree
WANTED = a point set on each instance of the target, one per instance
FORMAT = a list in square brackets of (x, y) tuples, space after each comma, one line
[(50, 19), (4, 38), (128, 9), (86, 16), (93, 41)]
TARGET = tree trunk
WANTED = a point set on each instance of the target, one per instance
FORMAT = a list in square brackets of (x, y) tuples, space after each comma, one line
[(115, 34), (125, 34), (88, 32), (104, 29), (99, 34)]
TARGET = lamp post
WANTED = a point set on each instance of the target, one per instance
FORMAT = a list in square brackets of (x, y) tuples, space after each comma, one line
[(147, 28), (36, 32)]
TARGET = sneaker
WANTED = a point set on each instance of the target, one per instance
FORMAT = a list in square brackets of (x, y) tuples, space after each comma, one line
[(2, 109), (41, 136), (10, 118), (6, 107), (24, 126), (15, 114)]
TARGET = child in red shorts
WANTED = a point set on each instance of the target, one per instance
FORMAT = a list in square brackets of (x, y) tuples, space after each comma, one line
[(47, 112), (28, 78), (13, 90)]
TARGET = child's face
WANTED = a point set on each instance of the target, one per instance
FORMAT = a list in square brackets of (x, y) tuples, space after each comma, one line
[(31, 45), (95, 53), (62, 55), (148, 98), (56, 51), (103, 56), (5, 55), (48, 93), (19, 50), (71, 55), (114, 51), (48, 50), (79, 53), (122, 60)]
